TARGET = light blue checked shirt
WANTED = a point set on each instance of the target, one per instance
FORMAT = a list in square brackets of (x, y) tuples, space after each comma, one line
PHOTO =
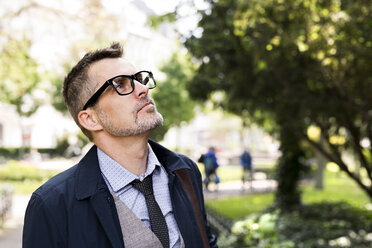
[(118, 180)]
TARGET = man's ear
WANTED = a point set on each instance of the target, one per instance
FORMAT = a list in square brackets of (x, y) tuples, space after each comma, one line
[(88, 119)]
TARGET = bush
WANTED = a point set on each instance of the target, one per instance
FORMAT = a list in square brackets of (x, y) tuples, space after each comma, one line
[(316, 225), (19, 171), (258, 230), (13, 153), (328, 225)]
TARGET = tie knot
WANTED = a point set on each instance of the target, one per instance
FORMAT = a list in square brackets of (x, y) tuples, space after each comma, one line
[(145, 186)]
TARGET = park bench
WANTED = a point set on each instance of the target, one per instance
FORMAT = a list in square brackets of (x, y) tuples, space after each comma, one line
[(263, 173)]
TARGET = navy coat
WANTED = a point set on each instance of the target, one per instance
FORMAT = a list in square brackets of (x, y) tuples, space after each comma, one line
[(75, 208)]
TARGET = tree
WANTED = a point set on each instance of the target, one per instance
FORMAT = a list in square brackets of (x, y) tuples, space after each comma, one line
[(19, 76), (171, 96), (18, 66), (298, 64)]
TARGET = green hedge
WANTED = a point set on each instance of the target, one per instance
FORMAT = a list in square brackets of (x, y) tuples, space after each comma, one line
[(318, 225), (17, 152), (19, 171), (12, 153)]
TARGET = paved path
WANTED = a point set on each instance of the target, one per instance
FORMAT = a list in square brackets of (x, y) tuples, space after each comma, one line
[(235, 188), (11, 234)]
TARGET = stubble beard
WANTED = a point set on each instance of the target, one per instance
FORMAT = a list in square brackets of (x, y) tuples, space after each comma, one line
[(150, 121)]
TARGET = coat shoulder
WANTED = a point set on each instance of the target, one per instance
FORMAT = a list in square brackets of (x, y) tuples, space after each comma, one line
[(62, 183), (191, 163)]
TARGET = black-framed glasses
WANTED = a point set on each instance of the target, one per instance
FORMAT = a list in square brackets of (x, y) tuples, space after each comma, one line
[(123, 85)]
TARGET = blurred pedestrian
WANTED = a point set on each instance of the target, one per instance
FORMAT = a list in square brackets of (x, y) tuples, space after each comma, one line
[(247, 168), (210, 167)]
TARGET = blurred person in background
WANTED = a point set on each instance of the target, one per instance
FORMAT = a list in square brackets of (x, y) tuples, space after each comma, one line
[(128, 191), (247, 168), (210, 168)]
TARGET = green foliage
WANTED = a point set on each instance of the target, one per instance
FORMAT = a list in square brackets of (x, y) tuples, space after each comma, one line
[(258, 230), (171, 96), (56, 92), (12, 153), (18, 171), (327, 225), (19, 76), (294, 64), (65, 149), (316, 225), (155, 21), (62, 145)]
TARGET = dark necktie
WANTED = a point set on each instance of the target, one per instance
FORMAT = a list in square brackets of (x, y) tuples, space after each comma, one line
[(157, 220)]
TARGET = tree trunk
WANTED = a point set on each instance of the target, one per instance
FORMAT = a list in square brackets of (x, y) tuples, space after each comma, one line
[(288, 172), (319, 174)]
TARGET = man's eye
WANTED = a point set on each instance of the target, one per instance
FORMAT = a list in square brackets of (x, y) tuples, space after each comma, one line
[(117, 85), (122, 84)]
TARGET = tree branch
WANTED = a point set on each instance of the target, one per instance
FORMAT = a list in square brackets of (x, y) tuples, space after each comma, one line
[(34, 5), (355, 134), (338, 161), (369, 134)]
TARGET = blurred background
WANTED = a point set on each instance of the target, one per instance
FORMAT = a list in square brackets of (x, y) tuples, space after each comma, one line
[(288, 81)]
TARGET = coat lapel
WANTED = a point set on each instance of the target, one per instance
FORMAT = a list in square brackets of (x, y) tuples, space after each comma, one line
[(91, 186), (101, 205)]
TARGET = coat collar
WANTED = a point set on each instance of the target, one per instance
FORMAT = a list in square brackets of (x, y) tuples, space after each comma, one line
[(170, 160), (89, 177)]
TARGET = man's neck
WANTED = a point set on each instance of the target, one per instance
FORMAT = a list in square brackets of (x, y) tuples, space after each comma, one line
[(130, 152)]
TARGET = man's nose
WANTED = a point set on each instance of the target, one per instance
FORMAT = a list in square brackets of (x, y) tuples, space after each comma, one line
[(140, 90)]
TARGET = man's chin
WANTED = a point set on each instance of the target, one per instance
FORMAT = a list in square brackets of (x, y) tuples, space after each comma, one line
[(149, 123)]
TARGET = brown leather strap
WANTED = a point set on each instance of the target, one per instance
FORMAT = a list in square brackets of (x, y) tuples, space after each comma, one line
[(184, 177)]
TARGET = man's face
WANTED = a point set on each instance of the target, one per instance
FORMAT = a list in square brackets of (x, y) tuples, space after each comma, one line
[(126, 115)]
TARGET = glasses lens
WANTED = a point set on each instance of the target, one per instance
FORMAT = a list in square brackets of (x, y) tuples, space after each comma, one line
[(146, 78), (122, 84)]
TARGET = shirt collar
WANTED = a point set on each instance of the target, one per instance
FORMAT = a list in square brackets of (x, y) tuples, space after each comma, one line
[(117, 176)]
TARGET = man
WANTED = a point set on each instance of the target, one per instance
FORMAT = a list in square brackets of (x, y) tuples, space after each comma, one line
[(113, 196), (210, 167), (247, 172)]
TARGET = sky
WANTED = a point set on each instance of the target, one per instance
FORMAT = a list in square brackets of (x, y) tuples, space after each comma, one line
[(189, 18), (162, 6)]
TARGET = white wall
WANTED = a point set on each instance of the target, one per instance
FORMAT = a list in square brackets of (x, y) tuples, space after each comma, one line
[(11, 122), (47, 125)]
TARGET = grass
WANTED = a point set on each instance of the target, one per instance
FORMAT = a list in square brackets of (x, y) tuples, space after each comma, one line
[(338, 187), (238, 207), (25, 187)]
